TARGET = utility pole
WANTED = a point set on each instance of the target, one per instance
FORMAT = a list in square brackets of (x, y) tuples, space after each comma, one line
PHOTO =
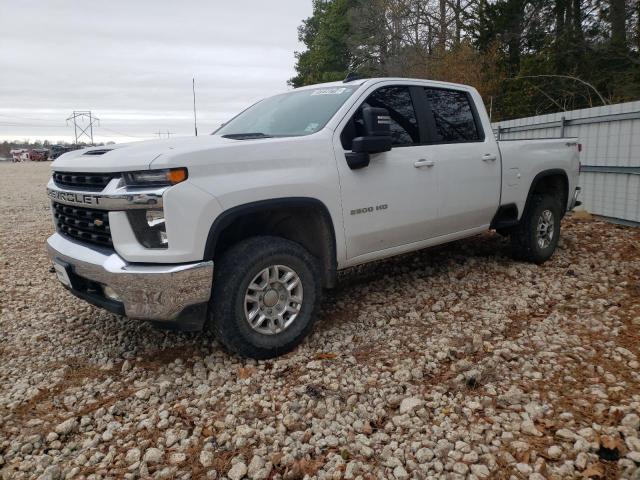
[(86, 118), (167, 133), (195, 120)]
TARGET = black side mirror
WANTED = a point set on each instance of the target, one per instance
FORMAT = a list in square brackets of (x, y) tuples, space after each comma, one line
[(377, 139)]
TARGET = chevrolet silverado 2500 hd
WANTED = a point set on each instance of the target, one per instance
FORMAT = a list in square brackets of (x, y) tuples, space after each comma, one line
[(245, 227)]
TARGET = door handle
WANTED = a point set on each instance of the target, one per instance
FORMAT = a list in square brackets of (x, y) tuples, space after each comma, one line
[(489, 157), (423, 162)]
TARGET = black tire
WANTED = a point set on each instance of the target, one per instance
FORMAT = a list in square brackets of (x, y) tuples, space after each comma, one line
[(524, 239), (233, 274)]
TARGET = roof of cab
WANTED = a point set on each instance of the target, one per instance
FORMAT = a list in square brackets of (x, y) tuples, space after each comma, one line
[(369, 81)]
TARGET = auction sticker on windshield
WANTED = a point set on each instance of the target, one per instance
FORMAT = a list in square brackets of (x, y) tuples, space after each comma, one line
[(330, 91)]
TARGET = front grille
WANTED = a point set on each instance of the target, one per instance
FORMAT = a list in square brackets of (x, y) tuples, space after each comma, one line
[(85, 224), (94, 182)]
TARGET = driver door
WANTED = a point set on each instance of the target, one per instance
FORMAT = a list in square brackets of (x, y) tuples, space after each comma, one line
[(393, 201)]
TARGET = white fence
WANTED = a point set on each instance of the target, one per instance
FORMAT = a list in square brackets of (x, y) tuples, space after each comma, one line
[(610, 138)]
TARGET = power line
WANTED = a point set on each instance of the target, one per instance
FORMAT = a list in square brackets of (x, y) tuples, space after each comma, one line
[(125, 134), (3, 124), (160, 133)]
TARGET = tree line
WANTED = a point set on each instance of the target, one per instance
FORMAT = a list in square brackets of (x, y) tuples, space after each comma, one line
[(6, 146), (526, 57)]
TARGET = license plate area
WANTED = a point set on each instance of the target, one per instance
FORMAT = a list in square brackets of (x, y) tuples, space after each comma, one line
[(62, 272)]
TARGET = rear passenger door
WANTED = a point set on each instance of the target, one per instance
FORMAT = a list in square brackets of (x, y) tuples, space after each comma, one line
[(466, 160)]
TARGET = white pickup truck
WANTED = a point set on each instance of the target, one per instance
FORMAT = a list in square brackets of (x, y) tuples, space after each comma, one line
[(242, 229)]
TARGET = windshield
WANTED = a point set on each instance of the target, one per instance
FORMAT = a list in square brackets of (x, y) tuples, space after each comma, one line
[(296, 113)]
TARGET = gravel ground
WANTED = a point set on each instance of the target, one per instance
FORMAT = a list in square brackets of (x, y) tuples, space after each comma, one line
[(455, 362)]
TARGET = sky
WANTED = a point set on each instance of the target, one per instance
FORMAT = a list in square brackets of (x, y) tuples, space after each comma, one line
[(132, 62)]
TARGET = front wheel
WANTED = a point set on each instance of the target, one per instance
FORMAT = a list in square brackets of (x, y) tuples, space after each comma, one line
[(536, 238), (265, 292)]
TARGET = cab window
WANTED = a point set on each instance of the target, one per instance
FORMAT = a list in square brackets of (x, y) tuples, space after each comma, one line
[(404, 123), (452, 115)]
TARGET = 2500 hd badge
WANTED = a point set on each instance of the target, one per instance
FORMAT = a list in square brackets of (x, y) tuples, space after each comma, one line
[(358, 211)]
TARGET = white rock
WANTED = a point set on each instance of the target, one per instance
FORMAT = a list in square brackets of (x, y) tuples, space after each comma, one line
[(351, 470), (635, 456), (631, 420), (206, 458), (143, 394), (133, 456), (409, 405), (51, 473), (66, 427), (153, 455), (633, 443), (176, 458), (565, 434), (238, 471), (460, 468), (581, 461), (529, 428), (400, 473), (402, 375), (255, 466), (424, 455), (554, 452), (480, 471)]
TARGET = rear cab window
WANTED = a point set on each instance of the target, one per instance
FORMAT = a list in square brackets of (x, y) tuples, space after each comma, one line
[(452, 116)]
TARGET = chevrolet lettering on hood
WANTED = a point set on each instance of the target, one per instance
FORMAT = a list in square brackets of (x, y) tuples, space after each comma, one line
[(73, 197)]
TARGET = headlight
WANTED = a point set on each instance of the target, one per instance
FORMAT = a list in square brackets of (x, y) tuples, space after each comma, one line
[(149, 227), (155, 178)]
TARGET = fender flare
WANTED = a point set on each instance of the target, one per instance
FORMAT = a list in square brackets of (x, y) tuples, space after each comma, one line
[(536, 180), (227, 217)]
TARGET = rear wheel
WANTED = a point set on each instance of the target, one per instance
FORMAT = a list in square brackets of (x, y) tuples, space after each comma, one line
[(265, 292), (536, 238)]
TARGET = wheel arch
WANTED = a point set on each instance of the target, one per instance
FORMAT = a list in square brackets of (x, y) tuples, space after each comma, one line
[(304, 220), (547, 181)]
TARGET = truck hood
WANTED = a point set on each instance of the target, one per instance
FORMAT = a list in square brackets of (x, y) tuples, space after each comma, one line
[(136, 155)]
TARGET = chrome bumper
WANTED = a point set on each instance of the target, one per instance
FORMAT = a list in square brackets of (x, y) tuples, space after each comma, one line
[(144, 291)]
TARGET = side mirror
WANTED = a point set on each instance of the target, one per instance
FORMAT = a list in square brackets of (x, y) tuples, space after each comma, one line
[(377, 139)]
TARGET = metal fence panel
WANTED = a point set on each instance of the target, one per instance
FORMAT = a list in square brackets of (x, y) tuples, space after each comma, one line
[(610, 137)]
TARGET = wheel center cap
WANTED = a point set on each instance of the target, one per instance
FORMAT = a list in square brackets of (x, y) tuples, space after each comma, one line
[(270, 298)]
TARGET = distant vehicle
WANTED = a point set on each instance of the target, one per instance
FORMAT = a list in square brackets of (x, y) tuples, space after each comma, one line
[(19, 154), (56, 150), (39, 154), (293, 189)]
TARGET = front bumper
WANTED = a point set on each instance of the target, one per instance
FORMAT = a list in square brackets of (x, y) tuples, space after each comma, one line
[(144, 291)]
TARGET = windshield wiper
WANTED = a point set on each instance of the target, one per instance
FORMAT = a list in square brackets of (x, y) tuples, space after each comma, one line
[(246, 136)]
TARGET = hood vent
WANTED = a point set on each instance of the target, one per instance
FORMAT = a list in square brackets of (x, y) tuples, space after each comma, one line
[(98, 151)]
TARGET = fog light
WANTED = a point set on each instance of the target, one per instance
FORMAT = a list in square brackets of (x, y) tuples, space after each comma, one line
[(110, 293), (149, 227), (155, 217)]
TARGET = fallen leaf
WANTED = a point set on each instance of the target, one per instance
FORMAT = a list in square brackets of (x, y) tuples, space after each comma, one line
[(611, 443), (595, 470), (245, 372), (523, 457)]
